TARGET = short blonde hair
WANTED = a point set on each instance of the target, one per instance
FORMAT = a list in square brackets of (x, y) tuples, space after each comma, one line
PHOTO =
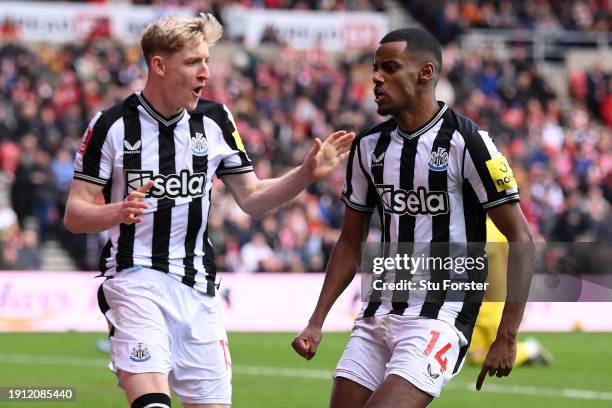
[(173, 33)]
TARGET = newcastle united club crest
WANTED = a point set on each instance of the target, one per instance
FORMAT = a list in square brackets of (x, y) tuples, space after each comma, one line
[(140, 353), (199, 145)]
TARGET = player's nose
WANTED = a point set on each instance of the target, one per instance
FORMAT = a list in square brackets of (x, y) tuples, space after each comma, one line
[(204, 72), (377, 78)]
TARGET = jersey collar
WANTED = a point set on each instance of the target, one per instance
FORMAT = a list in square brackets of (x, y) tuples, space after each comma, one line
[(423, 129), (158, 116)]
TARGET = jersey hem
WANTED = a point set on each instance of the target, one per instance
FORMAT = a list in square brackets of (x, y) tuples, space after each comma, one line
[(497, 203), (90, 179), (237, 170), (356, 206)]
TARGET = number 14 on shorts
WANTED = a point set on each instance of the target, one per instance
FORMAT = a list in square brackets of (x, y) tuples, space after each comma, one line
[(226, 354), (439, 356)]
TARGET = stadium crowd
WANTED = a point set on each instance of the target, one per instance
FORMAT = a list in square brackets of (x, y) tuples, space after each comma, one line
[(561, 153), (331, 5), (447, 19)]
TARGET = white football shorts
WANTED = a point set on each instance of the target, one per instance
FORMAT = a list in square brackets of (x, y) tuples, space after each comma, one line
[(425, 352), (160, 325)]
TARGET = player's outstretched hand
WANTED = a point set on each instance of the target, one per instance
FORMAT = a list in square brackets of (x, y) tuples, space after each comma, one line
[(323, 157), (500, 360), (133, 205), (306, 343)]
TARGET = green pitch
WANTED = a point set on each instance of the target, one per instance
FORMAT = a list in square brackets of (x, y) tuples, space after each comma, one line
[(267, 374)]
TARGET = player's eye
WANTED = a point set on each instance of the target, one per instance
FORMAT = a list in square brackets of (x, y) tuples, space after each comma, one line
[(390, 67)]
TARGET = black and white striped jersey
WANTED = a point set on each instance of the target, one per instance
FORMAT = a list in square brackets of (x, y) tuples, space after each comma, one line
[(431, 186), (131, 143)]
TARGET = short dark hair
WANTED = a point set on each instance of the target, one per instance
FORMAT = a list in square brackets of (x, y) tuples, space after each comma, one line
[(418, 41)]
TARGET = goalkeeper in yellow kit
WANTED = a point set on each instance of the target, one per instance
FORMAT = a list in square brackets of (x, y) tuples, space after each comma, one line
[(529, 351)]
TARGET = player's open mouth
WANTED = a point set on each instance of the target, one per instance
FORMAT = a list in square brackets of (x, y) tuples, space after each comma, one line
[(197, 90), (379, 94)]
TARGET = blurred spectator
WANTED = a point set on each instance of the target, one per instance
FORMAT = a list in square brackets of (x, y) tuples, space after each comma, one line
[(28, 255)]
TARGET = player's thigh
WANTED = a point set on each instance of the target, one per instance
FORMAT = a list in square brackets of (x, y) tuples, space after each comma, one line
[(140, 338), (137, 384), (397, 392), (348, 394), (427, 353), (202, 366), (206, 405), (366, 354)]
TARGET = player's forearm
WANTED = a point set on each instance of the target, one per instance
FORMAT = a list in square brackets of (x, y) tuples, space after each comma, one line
[(84, 217), (271, 193), (340, 272), (521, 259)]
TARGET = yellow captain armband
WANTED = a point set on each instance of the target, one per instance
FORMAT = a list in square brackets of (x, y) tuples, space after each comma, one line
[(501, 173)]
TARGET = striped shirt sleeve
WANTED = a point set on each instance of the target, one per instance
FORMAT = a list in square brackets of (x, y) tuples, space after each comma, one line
[(488, 171), (357, 192), (236, 161), (94, 159)]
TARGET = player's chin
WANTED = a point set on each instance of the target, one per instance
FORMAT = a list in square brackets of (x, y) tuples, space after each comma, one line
[(383, 110), (191, 104)]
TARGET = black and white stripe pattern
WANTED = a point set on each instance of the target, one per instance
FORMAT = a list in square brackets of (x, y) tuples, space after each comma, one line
[(132, 143), (445, 160)]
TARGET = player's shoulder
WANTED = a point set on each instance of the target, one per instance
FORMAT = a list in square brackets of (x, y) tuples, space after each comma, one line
[(374, 132), (467, 128), (107, 117), (216, 111), (207, 106), (388, 125)]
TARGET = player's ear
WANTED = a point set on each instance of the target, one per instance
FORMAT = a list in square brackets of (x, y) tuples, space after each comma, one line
[(157, 65), (428, 70)]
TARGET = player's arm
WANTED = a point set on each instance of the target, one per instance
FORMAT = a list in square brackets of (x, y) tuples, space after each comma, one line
[(83, 215), (509, 219), (340, 272), (256, 196)]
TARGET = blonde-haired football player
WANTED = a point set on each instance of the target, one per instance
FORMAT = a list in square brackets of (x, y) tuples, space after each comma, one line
[(154, 156)]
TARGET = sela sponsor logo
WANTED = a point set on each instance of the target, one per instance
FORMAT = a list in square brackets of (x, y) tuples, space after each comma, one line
[(419, 202), (199, 145), (438, 160), (140, 353), (184, 184), (131, 149), (378, 161)]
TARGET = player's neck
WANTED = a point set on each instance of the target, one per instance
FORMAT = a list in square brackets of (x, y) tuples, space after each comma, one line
[(158, 100), (413, 119)]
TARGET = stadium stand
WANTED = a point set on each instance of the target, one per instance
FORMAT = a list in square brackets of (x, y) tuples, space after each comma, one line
[(557, 138)]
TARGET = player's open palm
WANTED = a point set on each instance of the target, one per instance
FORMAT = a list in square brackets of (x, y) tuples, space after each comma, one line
[(323, 157), (133, 205), (306, 343), (499, 361)]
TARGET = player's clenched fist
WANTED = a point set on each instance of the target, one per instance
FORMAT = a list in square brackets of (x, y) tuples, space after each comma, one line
[(133, 205), (306, 343)]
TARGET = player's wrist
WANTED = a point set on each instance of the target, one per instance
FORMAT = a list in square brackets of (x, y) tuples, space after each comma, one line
[(315, 323), (506, 336), (304, 173), (116, 214)]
